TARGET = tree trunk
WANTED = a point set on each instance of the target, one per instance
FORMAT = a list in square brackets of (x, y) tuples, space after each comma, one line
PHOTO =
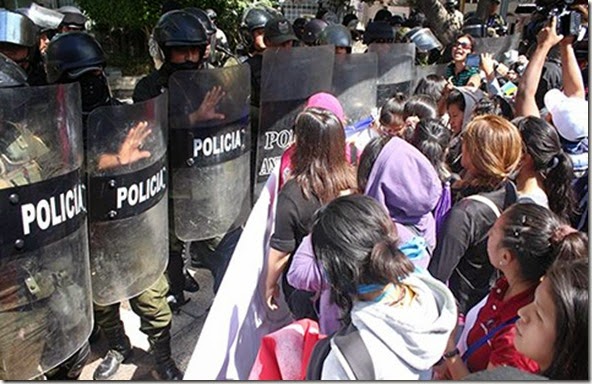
[(439, 20)]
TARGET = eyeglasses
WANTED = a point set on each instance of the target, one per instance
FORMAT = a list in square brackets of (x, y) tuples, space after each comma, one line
[(462, 44)]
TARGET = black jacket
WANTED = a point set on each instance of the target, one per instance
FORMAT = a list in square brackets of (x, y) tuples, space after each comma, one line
[(461, 256)]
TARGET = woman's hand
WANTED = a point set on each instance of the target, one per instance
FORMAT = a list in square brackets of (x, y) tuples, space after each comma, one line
[(488, 65), (548, 37), (271, 296)]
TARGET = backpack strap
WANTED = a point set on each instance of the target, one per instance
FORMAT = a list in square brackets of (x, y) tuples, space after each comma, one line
[(317, 358), (351, 346), (487, 202), (354, 351)]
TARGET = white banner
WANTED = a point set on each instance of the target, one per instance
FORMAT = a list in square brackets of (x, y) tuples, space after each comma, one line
[(239, 318)]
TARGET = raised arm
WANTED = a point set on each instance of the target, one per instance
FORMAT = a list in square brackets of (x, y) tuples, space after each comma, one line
[(525, 97), (573, 83)]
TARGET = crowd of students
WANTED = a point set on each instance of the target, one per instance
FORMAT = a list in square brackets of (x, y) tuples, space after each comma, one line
[(462, 244)]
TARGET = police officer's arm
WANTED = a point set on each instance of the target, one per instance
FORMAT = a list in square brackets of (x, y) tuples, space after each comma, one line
[(130, 150), (207, 108), (525, 96), (573, 84)]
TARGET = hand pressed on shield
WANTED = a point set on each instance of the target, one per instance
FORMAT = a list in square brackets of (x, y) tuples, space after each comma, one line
[(130, 150), (207, 108)]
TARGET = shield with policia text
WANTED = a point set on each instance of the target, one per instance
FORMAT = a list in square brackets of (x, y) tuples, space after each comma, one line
[(210, 147), (45, 293), (289, 76), (396, 69), (127, 179), (354, 84)]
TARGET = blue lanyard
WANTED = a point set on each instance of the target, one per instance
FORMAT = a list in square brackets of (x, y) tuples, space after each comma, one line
[(479, 343)]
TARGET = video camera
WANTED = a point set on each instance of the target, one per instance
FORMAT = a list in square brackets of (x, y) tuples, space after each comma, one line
[(568, 21)]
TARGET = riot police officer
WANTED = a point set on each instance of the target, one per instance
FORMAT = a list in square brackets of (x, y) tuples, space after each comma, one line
[(19, 42), (183, 41), (252, 31), (339, 36), (38, 284), (77, 57), (312, 31), (73, 19), (216, 55)]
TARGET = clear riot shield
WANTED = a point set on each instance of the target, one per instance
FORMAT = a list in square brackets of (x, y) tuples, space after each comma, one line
[(396, 69), (288, 78), (127, 186), (422, 71), (497, 46), (45, 293), (354, 84), (210, 148)]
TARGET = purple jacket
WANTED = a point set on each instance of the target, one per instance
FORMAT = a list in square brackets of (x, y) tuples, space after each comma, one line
[(405, 182)]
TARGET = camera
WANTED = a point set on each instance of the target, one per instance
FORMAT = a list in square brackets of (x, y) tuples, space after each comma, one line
[(568, 21)]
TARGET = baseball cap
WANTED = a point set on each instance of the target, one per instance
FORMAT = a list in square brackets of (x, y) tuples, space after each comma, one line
[(279, 30), (569, 114), (326, 101)]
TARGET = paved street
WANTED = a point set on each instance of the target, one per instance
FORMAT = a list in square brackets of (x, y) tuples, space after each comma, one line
[(186, 327)]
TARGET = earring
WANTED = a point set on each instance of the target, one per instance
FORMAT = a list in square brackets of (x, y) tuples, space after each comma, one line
[(501, 263)]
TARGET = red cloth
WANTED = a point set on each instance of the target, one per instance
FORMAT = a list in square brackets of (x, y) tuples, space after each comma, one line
[(499, 350), (284, 354)]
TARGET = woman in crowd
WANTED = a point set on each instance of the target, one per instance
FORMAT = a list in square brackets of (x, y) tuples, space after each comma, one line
[(320, 172), (319, 100), (304, 272), (417, 108), (435, 87), (553, 329), (403, 318), (491, 151), (523, 243), (392, 122), (457, 71), (432, 138), (546, 172), (460, 104)]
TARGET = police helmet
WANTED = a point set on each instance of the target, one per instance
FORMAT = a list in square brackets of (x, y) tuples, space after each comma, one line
[(336, 34), (179, 28), (298, 26), (383, 15), (379, 31), (11, 74), (312, 30), (73, 17), (203, 18), (253, 18), (44, 18), (17, 29), (72, 54)]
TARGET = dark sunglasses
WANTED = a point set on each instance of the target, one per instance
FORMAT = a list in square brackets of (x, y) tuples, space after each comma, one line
[(462, 44)]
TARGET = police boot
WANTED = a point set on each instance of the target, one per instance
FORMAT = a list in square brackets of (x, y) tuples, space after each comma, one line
[(166, 369), (190, 284), (120, 349)]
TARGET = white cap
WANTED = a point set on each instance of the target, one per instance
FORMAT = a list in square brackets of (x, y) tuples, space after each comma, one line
[(569, 114)]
